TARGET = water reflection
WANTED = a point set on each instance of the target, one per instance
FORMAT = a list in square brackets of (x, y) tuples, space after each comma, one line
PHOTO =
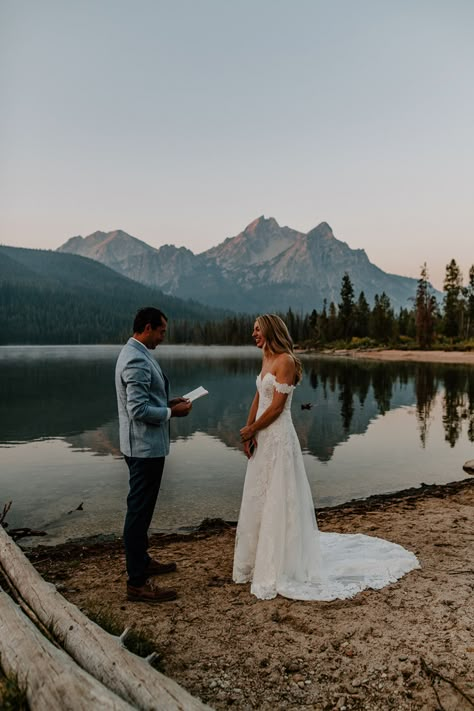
[(458, 405), (372, 428), (72, 396)]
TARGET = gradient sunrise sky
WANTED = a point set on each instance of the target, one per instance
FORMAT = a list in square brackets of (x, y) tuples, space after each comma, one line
[(182, 121)]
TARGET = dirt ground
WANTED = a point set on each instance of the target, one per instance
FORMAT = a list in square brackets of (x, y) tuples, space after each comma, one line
[(408, 646)]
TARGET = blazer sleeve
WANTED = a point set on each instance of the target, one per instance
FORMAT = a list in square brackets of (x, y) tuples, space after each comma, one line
[(137, 379)]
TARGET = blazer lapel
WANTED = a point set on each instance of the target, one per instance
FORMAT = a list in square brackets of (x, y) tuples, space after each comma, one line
[(158, 369), (155, 363)]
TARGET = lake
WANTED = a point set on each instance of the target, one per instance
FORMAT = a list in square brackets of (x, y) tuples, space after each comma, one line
[(371, 428)]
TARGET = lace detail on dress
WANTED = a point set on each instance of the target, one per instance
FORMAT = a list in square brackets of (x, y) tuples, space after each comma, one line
[(283, 387), (266, 387), (278, 546)]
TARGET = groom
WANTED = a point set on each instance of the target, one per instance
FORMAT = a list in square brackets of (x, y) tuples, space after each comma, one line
[(144, 413)]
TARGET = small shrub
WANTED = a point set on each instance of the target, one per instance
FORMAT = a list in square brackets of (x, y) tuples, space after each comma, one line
[(363, 342), (12, 696)]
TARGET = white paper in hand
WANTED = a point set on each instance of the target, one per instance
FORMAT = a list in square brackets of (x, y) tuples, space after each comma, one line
[(194, 394)]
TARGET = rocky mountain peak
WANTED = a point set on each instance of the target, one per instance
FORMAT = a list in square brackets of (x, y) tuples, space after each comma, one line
[(261, 226), (113, 235), (169, 250), (261, 241), (264, 267), (322, 231)]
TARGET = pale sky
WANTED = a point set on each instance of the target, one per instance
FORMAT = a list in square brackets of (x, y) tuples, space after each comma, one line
[(181, 121)]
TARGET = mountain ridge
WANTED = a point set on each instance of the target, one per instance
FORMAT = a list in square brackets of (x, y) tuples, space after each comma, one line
[(264, 267)]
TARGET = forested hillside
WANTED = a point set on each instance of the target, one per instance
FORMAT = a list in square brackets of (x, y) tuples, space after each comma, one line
[(50, 297)]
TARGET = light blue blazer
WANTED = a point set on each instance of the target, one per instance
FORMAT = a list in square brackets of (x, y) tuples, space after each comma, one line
[(142, 397)]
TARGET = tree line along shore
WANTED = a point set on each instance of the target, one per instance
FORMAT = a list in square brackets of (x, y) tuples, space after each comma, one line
[(49, 317), (353, 323)]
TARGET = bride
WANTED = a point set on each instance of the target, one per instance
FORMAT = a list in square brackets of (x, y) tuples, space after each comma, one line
[(278, 546)]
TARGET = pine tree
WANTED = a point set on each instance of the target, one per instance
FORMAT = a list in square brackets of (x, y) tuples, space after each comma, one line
[(323, 324), (346, 307), (362, 316), (453, 301), (332, 327), (425, 310), (382, 319), (407, 322), (470, 304)]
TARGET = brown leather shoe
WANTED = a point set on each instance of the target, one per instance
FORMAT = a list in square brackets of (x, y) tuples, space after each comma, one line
[(145, 593), (155, 568)]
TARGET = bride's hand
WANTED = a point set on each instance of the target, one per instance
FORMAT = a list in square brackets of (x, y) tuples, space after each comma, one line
[(249, 447), (246, 433)]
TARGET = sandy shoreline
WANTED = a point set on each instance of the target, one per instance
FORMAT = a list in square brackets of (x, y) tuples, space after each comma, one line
[(372, 652), (461, 357)]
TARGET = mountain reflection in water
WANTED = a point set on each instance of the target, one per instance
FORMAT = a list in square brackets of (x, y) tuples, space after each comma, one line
[(74, 398), (372, 427)]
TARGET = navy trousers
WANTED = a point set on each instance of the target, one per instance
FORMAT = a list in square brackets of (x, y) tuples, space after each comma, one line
[(145, 480)]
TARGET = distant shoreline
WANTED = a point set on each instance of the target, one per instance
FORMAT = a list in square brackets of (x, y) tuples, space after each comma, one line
[(382, 354), (385, 354)]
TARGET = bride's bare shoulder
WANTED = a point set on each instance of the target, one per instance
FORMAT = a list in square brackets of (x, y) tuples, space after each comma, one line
[(283, 359), (284, 365)]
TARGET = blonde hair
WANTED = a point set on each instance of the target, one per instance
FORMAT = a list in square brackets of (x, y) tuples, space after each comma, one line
[(278, 339)]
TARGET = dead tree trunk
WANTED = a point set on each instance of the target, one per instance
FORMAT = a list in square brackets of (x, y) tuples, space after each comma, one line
[(95, 650), (51, 678)]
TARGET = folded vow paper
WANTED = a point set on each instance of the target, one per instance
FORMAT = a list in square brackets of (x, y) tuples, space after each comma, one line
[(194, 394)]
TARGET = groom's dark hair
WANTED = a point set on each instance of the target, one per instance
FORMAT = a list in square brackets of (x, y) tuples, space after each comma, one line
[(150, 315)]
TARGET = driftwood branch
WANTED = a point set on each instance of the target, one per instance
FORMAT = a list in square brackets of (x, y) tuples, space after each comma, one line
[(125, 634), (433, 674), (52, 680), (94, 649), (17, 533), (6, 509), (152, 657)]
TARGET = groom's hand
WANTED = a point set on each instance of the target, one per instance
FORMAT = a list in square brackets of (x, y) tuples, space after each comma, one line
[(181, 408), (176, 400)]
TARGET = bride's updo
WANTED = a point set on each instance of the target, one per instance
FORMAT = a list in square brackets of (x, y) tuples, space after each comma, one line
[(278, 339)]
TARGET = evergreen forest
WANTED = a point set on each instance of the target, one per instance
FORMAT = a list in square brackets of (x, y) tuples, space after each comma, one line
[(50, 297)]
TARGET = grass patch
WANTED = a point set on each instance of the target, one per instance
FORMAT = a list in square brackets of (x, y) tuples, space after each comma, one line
[(136, 641), (12, 696)]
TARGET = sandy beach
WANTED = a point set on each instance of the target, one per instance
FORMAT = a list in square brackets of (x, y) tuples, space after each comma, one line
[(408, 646), (461, 357)]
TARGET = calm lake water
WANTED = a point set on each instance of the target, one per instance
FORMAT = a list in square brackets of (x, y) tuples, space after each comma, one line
[(372, 428)]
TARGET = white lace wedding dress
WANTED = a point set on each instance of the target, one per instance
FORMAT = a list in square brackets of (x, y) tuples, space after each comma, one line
[(278, 546)]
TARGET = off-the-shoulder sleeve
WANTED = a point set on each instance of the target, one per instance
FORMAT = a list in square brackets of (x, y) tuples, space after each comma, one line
[(283, 387)]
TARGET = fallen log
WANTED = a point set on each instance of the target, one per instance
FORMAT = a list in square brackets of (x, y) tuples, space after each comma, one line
[(52, 680), (94, 649)]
